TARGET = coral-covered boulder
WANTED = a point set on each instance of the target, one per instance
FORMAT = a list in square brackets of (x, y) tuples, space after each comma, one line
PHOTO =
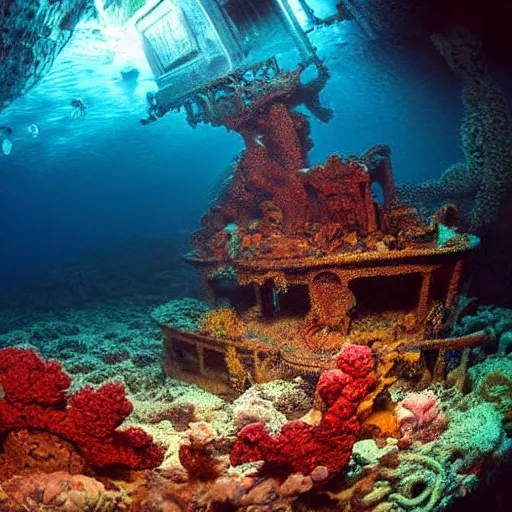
[(200, 456), (34, 398), (25, 451), (58, 491), (301, 447)]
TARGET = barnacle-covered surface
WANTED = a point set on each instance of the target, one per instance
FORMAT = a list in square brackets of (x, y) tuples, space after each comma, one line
[(483, 181), (33, 34)]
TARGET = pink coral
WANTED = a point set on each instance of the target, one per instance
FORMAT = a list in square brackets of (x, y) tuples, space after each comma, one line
[(419, 418)]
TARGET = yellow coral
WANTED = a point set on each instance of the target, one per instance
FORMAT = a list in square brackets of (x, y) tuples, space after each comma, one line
[(238, 375), (222, 323)]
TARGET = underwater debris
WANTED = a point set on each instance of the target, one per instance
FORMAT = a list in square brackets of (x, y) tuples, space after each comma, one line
[(33, 130)]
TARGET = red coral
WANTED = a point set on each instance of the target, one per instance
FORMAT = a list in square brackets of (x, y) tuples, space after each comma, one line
[(330, 384), (356, 360), (35, 398), (20, 369), (301, 447)]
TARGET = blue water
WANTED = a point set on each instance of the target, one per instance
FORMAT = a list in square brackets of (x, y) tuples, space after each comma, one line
[(102, 181)]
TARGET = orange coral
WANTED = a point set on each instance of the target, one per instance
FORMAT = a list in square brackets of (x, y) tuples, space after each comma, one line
[(222, 323), (382, 424)]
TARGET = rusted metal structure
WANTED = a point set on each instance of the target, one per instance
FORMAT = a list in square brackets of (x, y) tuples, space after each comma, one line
[(204, 52), (351, 271), (296, 259)]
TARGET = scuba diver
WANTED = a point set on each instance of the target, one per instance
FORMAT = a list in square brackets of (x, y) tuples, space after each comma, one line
[(79, 109)]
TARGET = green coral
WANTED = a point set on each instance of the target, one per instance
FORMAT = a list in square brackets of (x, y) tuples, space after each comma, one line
[(492, 379), (417, 472), (473, 434)]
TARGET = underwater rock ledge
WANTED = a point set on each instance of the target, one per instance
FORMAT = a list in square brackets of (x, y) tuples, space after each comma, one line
[(33, 34)]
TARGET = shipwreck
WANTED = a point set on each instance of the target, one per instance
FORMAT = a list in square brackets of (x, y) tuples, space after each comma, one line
[(297, 259)]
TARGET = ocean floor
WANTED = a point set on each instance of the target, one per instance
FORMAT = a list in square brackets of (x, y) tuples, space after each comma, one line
[(463, 444)]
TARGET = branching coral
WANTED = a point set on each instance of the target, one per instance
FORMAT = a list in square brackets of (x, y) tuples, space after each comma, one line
[(34, 397)]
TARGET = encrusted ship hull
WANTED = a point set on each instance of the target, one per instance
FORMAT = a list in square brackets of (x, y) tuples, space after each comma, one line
[(337, 295)]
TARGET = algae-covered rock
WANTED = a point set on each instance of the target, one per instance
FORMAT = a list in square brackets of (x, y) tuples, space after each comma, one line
[(472, 436), (492, 380), (184, 314)]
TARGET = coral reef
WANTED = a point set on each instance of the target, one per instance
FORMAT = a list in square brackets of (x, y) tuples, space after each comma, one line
[(430, 472), (348, 300), (57, 491), (34, 397), (328, 443), (182, 314)]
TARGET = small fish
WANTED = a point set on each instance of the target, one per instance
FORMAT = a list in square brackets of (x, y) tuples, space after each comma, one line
[(257, 140), (6, 147), (33, 130)]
